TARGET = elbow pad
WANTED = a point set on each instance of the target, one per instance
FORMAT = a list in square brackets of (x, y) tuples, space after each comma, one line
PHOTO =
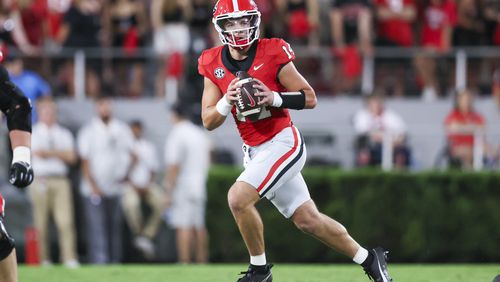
[(18, 110)]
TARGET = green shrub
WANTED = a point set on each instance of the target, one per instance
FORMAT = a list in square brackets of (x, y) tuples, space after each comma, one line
[(422, 217)]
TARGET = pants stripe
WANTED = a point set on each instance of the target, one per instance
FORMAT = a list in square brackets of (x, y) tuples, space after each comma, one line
[(280, 161), (285, 169)]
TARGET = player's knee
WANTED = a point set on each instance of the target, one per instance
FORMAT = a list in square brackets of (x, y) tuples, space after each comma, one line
[(308, 222), (237, 200), (235, 203)]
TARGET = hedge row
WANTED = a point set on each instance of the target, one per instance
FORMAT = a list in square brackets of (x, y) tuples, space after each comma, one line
[(424, 217)]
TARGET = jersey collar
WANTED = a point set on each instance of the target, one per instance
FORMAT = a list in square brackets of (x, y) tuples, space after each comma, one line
[(234, 65)]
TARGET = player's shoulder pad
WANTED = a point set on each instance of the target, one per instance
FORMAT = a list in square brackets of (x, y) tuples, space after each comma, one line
[(279, 49), (209, 55), (274, 46)]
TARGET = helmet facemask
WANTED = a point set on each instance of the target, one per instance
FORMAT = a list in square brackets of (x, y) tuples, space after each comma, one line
[(238, 37)]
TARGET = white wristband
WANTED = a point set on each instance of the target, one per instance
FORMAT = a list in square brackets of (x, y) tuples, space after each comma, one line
[(223, 107), (277, 100), (21, 154)]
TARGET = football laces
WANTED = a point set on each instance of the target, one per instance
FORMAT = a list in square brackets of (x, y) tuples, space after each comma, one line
[(240, 101)]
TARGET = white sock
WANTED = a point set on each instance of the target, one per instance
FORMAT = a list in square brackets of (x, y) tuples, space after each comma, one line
[(360, 255), (258, 260)]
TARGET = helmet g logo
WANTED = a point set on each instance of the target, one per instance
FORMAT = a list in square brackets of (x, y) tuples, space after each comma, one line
[(219, 73)]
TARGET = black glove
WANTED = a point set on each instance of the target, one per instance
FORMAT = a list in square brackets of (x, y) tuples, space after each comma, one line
[(21, 174)]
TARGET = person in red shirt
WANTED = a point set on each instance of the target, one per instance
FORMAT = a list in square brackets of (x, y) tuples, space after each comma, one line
[(395, 19), (438, 18), (351, 27), (394, 29), (274, 149), (462, 124)]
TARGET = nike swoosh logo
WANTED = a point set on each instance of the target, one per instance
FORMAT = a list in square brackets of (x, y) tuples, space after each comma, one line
[(258, 67), (252, 101)]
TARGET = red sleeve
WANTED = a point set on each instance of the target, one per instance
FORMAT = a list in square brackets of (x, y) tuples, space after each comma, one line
[(451, 12), (281, 51), (450, 118), (201, 64), (204, 63)]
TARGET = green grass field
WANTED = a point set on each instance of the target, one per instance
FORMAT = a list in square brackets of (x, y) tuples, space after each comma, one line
[(281, 273)]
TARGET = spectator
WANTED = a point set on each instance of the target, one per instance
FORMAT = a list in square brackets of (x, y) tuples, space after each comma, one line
[(105, 145), (51, 193), (351, 25), (462, 124), (34, 14), (395, 19), (80, 29), (187, 159), (142, 188), (170, 41), (33, 85), (438, 19), (302, 18), (496, 86), (491, 13), (128, 29), (372, 125), (469, 27), (56, 9), (200, 19), (12, 31)]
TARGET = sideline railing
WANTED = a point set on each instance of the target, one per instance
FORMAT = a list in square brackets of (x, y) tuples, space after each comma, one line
[(460, 56)]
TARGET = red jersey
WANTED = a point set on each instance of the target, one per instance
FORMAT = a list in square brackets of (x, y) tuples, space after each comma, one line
[(463, 118), (267, 58), (396, 30), (436, 18)]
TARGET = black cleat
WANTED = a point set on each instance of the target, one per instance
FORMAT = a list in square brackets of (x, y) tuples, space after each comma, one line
[(251, 275), (377, 271)]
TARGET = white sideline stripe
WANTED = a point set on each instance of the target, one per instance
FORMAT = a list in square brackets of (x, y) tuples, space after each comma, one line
[(235, 5), (291, 93)]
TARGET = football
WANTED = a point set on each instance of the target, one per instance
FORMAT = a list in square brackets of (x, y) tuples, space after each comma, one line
[(248, 103)]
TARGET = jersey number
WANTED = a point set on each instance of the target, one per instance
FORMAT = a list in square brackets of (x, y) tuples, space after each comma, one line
[(288, 50), (264, 113)]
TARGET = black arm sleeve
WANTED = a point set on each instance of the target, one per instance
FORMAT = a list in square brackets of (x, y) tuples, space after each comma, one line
[(15, 106), (293, 100)]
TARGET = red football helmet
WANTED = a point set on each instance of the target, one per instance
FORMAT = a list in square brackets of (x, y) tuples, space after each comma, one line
[(227, 10)]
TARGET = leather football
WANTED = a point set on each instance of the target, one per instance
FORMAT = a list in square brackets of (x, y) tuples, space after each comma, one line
[(247, 101)]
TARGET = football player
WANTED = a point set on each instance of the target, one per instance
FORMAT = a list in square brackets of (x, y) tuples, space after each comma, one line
[(274, 149), (17, 109)]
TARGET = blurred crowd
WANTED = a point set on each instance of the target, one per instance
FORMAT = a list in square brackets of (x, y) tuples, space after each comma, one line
[(156, 42)]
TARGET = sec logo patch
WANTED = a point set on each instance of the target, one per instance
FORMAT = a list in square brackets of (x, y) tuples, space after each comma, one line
[(219, 73)]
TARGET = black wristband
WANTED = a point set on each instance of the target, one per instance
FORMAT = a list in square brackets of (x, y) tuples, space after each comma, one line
[(293, 100)]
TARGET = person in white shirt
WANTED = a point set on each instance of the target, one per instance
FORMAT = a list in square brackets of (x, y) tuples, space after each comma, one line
[(51, 194), (374, 123), (187, 159), (105, 146), (142, 188)]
